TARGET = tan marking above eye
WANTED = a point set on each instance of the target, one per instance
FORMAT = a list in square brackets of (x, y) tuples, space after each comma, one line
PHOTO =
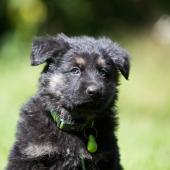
[(101, 61), (80, 61)]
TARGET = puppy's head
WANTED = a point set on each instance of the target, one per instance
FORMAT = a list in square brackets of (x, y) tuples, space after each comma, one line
[(81, 73)]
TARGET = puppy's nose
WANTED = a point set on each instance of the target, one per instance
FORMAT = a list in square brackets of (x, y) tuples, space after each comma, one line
[(93, 91)]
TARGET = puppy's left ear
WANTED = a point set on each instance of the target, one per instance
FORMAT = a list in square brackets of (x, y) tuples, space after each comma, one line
[(121, 59), (44, 48)]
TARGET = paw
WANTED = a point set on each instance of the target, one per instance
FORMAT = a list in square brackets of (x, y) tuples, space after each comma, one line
[(85, 154)]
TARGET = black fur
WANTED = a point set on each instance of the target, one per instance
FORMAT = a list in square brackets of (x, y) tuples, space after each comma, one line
[(79, 80)]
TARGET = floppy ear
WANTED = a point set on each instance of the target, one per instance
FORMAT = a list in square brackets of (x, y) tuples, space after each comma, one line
[(119, 56), (44, 48), (121, 59)]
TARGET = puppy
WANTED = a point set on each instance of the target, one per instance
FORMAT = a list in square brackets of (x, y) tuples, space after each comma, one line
[(70, 123)]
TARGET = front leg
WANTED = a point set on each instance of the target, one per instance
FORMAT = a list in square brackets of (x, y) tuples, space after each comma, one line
[(15, 164), (32, 158), (109, 162), (108, 156)]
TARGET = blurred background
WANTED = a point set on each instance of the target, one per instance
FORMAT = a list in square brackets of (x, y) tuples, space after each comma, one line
[(141, 26)]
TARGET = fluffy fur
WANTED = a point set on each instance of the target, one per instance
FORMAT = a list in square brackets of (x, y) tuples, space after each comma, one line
[(79, 81)]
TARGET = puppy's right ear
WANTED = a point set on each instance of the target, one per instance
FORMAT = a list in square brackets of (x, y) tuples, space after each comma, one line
[(44, 48)]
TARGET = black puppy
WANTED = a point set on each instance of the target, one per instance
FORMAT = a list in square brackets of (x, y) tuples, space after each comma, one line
[(70, 123)]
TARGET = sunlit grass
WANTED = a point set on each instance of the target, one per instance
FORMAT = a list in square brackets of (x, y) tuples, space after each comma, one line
[(16, 86), (143, 105), (144, 109)]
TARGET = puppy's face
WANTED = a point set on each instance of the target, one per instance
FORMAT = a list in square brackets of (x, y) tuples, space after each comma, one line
[(83, 81), (81, 72)]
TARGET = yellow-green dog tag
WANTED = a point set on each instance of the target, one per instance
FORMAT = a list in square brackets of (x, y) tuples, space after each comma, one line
[(91, 145)]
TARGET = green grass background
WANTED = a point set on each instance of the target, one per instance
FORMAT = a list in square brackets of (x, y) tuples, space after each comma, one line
[(144, 101)]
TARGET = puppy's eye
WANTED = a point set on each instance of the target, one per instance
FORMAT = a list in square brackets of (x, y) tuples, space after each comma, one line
[(103, 72), (75, 70)]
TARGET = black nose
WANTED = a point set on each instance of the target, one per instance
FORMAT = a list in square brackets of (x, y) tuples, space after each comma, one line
[(93, 91)]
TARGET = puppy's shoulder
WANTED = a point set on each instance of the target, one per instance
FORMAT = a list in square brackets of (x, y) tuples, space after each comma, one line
[(33, 105)]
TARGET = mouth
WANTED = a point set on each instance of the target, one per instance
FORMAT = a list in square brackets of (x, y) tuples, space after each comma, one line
[(85, 105), (86, 110), (90, 106)]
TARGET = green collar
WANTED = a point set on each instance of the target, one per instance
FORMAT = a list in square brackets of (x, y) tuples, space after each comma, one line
[(67, 124), (72, 125)]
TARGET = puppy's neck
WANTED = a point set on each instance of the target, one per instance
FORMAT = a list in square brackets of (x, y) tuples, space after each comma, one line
[(68, 121)]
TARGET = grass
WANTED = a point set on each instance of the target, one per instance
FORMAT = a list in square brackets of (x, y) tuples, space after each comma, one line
[(144, 109), (143, 105), (15, 90)]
